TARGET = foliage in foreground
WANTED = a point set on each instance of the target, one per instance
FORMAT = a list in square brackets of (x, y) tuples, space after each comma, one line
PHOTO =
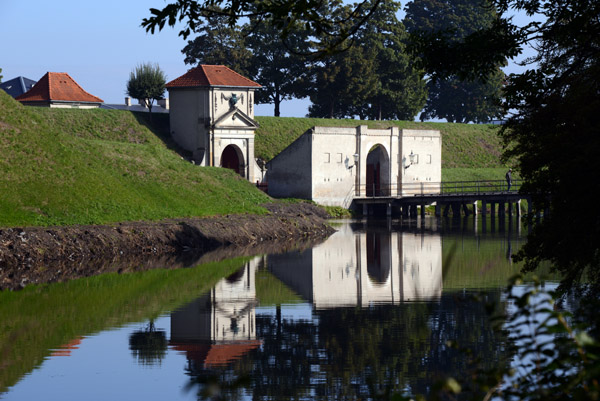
[(62, 167), (553, 132), (553, 359)]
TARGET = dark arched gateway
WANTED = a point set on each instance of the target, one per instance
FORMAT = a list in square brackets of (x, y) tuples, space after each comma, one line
[(378, 172), (233, 159)]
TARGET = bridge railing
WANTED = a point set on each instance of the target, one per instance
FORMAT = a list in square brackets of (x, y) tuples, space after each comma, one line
[(436, 188)]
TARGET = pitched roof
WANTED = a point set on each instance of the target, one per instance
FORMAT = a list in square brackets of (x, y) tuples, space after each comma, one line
[(211, 75), (17, 86), (57, 86)]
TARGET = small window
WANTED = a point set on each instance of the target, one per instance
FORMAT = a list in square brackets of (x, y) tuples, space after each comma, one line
[(428, 159), (339, 157), (416, 159), (327, 158)]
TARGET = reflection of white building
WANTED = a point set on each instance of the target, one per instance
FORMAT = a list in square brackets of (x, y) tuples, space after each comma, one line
[(351, 269), (219, 326)]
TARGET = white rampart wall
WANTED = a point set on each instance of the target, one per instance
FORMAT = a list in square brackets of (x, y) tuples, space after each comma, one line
[(334, 177)]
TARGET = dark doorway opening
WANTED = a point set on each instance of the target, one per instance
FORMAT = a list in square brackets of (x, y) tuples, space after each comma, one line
[(231, 159)]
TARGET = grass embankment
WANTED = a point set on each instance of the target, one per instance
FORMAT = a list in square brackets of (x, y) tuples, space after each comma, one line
[(62, 167)]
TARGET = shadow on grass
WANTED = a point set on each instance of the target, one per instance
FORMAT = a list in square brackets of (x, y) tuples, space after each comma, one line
[(160, 126)]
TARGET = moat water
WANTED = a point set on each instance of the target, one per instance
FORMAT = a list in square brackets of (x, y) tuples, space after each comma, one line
[(370, 311)]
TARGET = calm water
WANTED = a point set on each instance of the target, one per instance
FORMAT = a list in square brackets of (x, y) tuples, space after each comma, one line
[(369, 310)]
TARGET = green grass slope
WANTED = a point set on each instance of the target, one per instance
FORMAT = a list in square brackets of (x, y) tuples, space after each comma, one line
[(463, 145), (61, 167)]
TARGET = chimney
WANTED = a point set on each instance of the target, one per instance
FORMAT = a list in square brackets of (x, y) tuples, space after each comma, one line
[(128, 101), (164, 103)]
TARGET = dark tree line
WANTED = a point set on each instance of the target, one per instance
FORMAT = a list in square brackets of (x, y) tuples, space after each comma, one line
[(374, 77)]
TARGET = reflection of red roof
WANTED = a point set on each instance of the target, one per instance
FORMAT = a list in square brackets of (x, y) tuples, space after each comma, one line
[(65, 350), (211, 75), (216, 354), (57, 86)]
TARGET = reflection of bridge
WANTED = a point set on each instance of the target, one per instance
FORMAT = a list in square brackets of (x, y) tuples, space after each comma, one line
[(405, 199)]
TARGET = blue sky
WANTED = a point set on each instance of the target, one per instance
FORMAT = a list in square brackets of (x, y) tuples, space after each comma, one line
[(98, 43)]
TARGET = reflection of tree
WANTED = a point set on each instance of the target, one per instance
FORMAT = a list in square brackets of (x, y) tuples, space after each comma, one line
[(148, 346), (354, 352)]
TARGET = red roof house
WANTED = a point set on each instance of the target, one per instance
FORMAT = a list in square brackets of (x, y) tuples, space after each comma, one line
[(58, 89)]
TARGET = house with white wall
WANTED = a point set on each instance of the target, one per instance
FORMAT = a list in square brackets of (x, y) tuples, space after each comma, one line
[(212, 116)]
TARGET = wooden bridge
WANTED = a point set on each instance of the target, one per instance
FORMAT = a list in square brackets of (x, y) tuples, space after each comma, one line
[(407, 199)]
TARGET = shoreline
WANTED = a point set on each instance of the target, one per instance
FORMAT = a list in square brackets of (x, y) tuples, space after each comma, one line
[(35, 255)]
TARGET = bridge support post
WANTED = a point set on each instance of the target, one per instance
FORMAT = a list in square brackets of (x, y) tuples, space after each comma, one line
[(365, 209), (423, 211), (455, 209), (500, 209), (518, 211), (466, 209), (413, 210), (388, 210), (493, 210), (475, 208), (438, 209), (404, 210), (510, 212), (447, 210), (483, 207)]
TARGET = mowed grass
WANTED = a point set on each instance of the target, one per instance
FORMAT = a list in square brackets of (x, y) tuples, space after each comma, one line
[(463, 145), (63, 167)]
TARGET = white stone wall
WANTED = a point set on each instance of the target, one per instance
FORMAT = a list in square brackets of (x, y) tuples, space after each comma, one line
[(188, 116), (334, 173), (334, 177), (289, 174), (219, 103), (425, 174), (73, 105)]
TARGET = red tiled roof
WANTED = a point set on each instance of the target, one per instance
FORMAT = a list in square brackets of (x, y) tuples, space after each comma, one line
[(211, 75), (216, 354), (57, 86)]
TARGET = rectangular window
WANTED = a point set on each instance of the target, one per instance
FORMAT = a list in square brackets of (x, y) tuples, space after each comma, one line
[(428, 159), (339, 157), (326, 157)]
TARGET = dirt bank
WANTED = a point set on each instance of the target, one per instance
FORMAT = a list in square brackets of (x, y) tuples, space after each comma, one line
[(50, 254)]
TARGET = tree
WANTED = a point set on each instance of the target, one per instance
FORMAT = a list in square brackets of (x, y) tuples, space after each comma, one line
[(373, 79), (553, 135), (452, 98), (401, 91), (281, 72), (0, 74), (147, 83), (286, 16), (218, 43), (342, 84)]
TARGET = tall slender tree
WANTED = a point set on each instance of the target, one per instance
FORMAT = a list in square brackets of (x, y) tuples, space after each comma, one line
[(401, 91), (451, 97), (375, 78)]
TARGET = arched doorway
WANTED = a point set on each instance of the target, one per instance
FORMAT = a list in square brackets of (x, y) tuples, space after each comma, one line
[(378, 172), (232, 158)]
